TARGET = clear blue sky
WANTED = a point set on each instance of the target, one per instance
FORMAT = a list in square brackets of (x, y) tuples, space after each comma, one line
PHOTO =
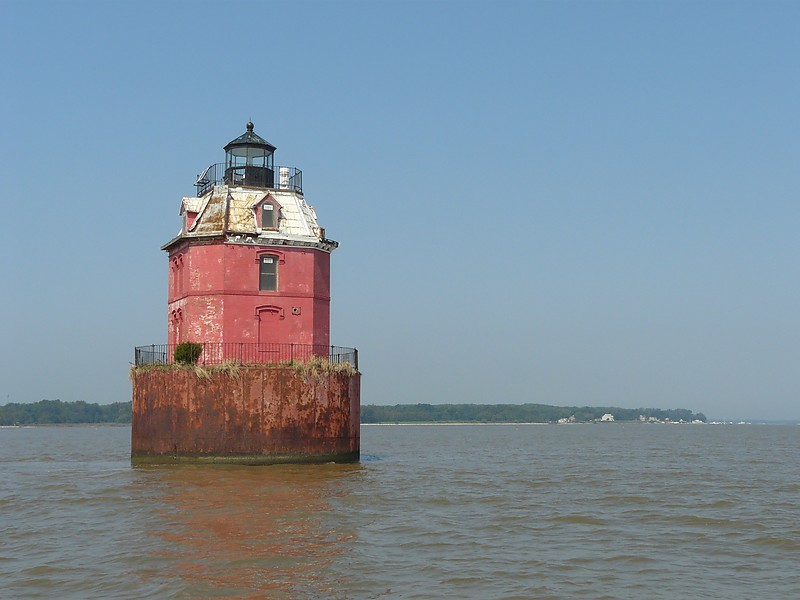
[(588, 203)]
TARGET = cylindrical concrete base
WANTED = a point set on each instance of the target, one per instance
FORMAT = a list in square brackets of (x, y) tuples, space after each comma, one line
[(259, 414)]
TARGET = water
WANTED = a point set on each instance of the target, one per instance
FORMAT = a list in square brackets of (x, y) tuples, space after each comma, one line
[(493, 511)]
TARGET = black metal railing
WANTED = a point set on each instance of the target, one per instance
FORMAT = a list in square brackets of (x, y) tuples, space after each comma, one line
[(248, 353), (278, 178)]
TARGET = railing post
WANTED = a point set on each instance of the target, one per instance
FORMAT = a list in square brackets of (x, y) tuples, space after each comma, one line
[(355, 357), (291, 352)]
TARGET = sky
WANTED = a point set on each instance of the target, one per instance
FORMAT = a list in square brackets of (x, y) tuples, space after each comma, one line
[(569, 203)]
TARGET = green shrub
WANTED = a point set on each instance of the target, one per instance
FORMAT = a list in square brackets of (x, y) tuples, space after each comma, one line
[(187, 353)]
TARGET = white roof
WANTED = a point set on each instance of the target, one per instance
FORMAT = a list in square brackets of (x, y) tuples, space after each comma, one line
[(233, 210)]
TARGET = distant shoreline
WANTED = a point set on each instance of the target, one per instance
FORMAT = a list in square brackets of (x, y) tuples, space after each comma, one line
[(793, 422), (520, 413), (404, 423), (55, 413)]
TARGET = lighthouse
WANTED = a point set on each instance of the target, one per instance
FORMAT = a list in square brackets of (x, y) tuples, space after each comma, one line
[(248, 302)]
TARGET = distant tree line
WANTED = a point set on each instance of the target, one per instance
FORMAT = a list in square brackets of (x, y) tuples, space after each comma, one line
[(54, 412), (512, 413)]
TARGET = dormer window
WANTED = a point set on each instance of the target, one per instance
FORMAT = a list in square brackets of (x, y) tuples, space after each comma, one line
[(269, 216), (268, 213)]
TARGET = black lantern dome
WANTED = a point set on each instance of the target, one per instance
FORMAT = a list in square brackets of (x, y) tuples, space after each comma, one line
[(249, 160)]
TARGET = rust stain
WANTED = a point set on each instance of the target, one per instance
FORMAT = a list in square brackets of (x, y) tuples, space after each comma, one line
[(262, 412), (212, 219)]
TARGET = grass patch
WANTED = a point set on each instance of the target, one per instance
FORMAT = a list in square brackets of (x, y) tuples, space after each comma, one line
[(316, 367)]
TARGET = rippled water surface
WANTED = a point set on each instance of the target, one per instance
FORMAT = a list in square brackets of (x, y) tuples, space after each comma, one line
[(492, 511)]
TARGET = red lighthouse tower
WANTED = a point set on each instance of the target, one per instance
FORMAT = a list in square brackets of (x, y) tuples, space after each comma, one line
[(249, 285), (251, 264)]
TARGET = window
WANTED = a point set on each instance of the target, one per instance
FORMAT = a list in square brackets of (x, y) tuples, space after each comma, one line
[(268, 274), (269, 216)]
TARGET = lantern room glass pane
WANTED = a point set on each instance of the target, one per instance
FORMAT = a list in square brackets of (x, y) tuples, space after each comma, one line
[(256, 157)]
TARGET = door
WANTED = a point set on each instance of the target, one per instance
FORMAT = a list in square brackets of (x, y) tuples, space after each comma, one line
[(268, 348)]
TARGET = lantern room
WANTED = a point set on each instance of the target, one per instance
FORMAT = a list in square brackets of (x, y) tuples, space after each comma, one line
[(249, 160)]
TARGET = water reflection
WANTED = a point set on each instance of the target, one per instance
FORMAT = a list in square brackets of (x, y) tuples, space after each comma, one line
[(250, 532)]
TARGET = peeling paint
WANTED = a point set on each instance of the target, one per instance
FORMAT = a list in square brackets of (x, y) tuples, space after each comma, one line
[(233, 210)]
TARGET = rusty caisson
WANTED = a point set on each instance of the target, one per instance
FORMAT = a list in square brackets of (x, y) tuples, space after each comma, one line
[(257, 414)]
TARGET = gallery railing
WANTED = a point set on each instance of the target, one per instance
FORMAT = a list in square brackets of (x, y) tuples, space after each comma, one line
[(275, 177), (248, 353)]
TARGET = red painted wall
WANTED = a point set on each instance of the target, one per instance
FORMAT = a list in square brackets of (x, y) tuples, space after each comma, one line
[(213, 295)]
